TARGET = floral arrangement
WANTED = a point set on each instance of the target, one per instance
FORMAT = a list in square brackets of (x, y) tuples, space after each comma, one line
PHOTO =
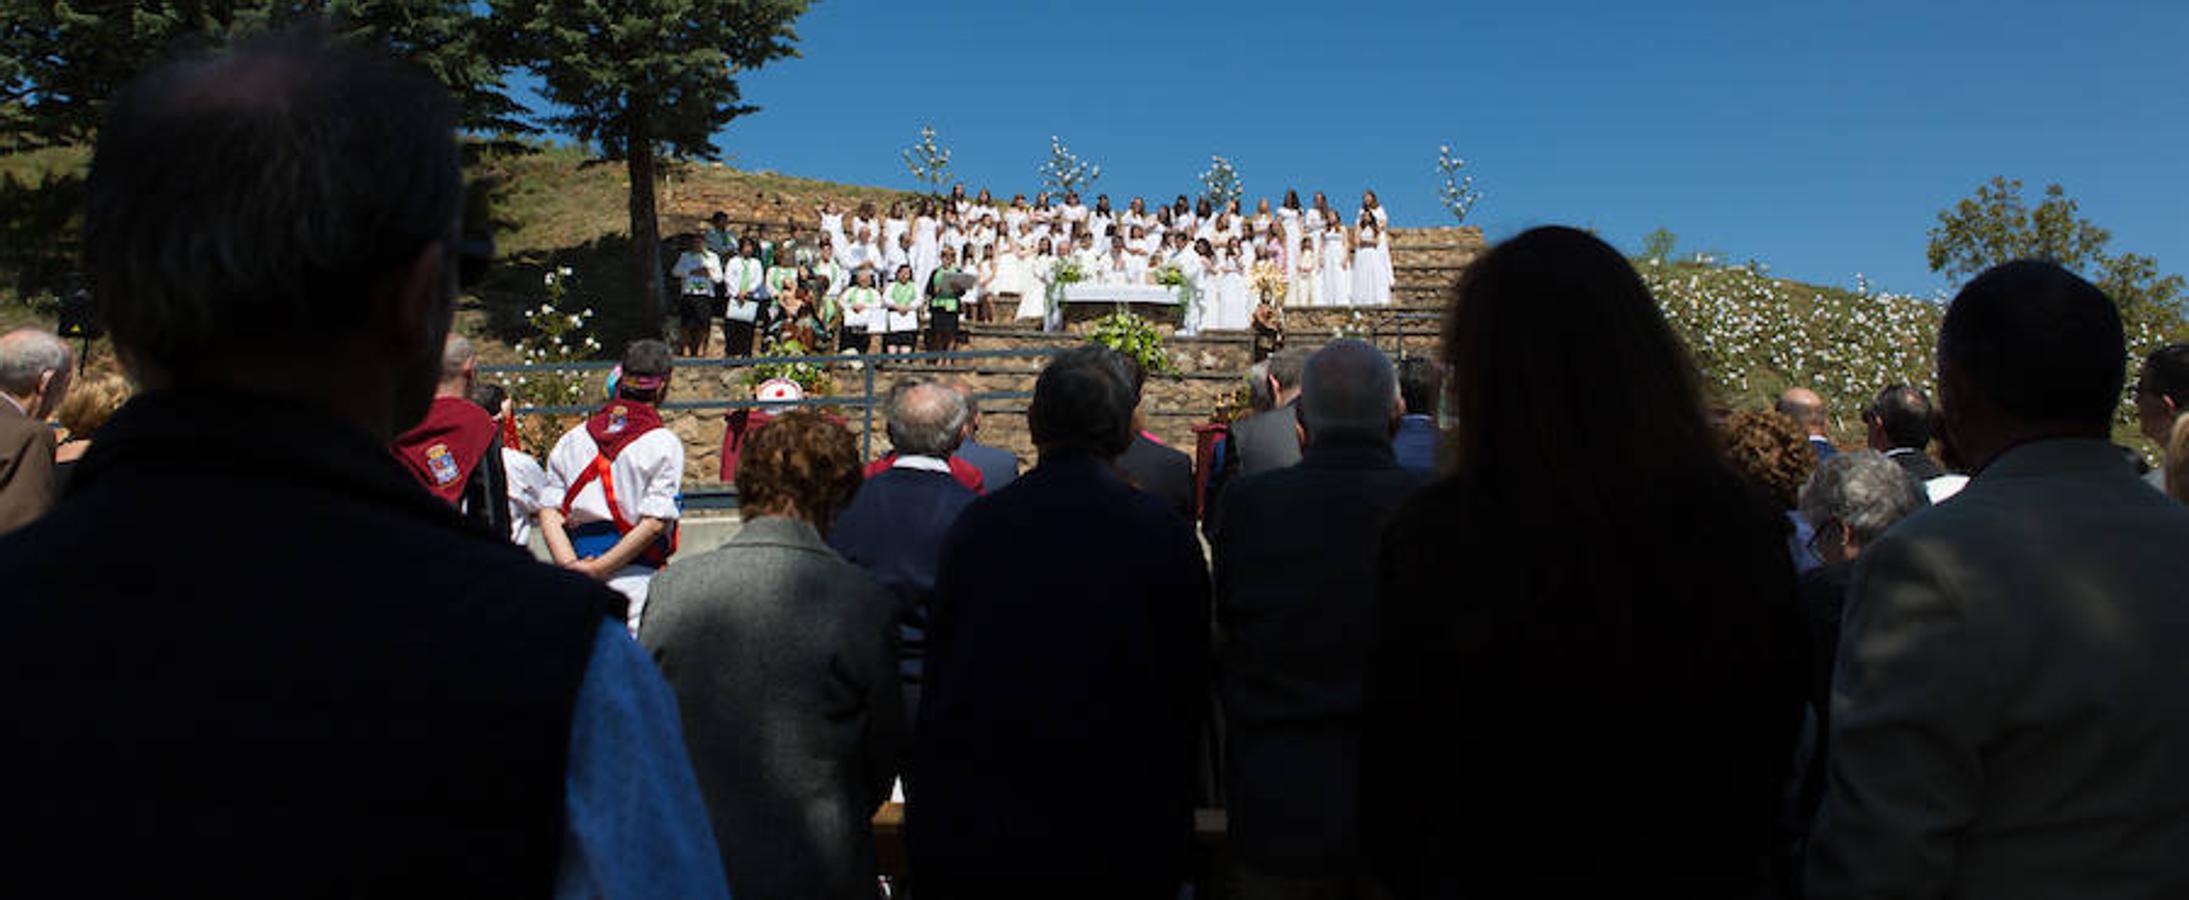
[(1135, 337), (814, 379), (1171, 276), (1065, 270)]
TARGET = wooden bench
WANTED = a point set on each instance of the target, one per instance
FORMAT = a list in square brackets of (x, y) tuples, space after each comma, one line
[(1209, 827)]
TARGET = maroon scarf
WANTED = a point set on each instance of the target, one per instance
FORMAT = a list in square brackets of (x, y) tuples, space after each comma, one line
[(619, 423), (443, 450)]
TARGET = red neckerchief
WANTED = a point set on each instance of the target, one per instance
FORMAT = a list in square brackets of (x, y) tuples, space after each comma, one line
[(619, 423), (443, 449)]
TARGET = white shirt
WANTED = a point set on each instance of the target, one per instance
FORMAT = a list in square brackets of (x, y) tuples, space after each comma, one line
[(526, 479), (697, 273), (649, 476)]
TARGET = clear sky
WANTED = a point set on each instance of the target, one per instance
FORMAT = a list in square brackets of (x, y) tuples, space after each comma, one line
[(1819, 137)]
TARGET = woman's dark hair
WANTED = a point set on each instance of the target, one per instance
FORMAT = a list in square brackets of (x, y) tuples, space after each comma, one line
[(1202, 209), (1292, 199), (1569, 386)]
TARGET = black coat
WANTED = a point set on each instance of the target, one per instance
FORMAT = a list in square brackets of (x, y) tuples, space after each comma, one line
[(1566, 708), (250, 655), (1066, 674), (1295, 592), (1161, 471)]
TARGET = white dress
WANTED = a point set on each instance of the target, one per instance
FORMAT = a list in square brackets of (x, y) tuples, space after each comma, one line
[(1371, 271), (832, 224), (926, 249), (1234, 308), (1033, 302), (891, 228), (1337, 285), (1383, 240), (1302, 286)]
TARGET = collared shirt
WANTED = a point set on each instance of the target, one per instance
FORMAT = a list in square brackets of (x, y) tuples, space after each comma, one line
[(922, 463)]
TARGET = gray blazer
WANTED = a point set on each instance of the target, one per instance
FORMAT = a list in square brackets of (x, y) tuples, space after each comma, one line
[(2010, 715), (784, 661), (26, 468)]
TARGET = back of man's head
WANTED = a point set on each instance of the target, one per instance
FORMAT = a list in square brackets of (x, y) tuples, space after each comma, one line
[(489, 396), (1348, 388), (1260, 397), (2166, 373), (1803, 406), (1421, 385), (457, 360), (646, 365), (2042, 347), (1903, 412), (254, 205), (1083, 405), (1285, 367), (925, 418), (32, 363)]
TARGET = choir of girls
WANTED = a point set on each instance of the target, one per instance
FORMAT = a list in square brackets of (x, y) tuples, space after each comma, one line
[(875, 275)]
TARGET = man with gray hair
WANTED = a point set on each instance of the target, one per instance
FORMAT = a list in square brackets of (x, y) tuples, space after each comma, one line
[(309, 677), (1295, 584), (456, 450), (33, 379), (1263, 441), (1849, 502), (895, 525)]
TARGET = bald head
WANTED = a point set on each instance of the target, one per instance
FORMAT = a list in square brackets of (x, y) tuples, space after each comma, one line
[(1804, 407), (34, 369), (926, 418), (1349, 387)]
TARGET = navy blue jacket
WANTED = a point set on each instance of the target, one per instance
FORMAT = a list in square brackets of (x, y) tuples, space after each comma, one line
[(998, 467), (894, 530), (1416, 443)]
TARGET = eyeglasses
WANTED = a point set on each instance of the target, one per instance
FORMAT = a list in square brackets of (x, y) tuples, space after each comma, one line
[(1824, 535)]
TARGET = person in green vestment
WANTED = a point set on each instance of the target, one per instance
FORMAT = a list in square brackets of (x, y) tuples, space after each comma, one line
[(943, 295)]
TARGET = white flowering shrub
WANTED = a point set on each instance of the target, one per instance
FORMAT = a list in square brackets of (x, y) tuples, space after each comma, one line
[(1455, 186), (1064, 172), (1754, 336), (558, 336)]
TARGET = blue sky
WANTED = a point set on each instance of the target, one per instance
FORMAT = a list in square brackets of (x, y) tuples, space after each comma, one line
[(1819, 137)]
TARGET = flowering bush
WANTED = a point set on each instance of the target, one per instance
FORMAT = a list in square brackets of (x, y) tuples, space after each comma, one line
[(1753, 336), (558, 337)]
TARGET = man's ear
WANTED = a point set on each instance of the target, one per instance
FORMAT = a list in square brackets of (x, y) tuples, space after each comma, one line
[(415, 305)]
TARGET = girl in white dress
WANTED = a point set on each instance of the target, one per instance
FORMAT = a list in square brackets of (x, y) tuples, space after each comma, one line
[(953, 234), (1072, 213), (984, 286), (1337, 280), (832, 223), (1371, 281), (1300, 287), (1181, 219), (958, 202), (926, 243), (1196, 265), (1102, 223), (1231, 226), (894, 225), (1035, 303), (1372, 206), (1288, 219), (1043, 216), (1235, 304), (1008, 289), (865, 224), (1263, 221)]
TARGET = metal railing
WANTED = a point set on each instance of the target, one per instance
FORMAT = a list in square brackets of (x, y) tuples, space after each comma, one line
[(868, 363)]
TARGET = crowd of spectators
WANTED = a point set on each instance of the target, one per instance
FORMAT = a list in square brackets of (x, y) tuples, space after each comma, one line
[(1593, 639)]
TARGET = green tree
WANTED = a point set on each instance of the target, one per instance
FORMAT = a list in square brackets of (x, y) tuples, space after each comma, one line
[(60, 60), (1658, 245), (1996, 225), (641, 78)]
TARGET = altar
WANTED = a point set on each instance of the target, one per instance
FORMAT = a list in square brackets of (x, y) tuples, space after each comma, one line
[(1086, 301)]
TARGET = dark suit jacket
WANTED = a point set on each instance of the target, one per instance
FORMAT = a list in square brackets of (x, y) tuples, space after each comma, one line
[(998, 467), (894, 529), (1255, 444), (1416, 443), (1066, 674), (782, 658), (26, 468), (1295, 591), (1918, 464), (1556, 707), (1161, 471)]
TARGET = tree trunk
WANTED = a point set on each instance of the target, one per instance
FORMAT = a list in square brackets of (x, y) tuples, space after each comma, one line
[(645, 227)]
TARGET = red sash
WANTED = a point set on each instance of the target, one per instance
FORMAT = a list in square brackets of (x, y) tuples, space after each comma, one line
[(442, 451), (612, 429)]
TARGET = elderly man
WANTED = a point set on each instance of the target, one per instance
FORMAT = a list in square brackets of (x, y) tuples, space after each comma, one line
[(456, 450), (1899, 425), (1807, 410), (252, 651), (1265, 440), (2008, 718), (895, 525), (998, 467), (1295, 585), (1067, 665), (33, 379)]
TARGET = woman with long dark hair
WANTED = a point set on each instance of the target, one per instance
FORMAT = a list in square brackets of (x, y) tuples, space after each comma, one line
[(1587, 679)]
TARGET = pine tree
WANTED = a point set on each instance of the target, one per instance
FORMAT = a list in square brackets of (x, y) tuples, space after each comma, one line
[(639, 78)]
